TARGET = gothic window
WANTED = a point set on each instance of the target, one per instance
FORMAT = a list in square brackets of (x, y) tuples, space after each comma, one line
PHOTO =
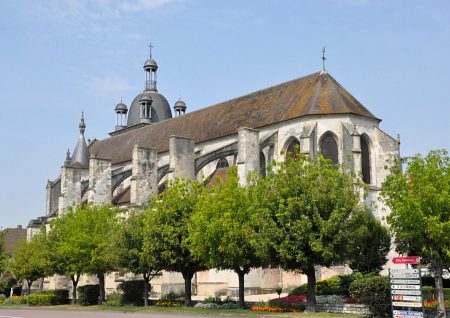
[(222, 164), (365, 160), (293, 148), (262, 164), (329, 148)]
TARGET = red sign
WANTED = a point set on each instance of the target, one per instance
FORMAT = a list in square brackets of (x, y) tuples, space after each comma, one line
[(406, 260)]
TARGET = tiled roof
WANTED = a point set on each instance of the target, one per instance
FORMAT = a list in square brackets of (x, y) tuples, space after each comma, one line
[(315, 94), (12, 237)]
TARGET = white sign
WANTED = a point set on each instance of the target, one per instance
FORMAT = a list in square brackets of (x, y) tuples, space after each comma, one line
[(406, 292), (405, 304), (406, 276), (408, 313), (404, 271), (405, 281), (405, 287), (407, 298)]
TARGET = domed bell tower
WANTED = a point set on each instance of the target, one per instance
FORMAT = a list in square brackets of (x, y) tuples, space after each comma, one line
[(121, 113), (150, 68), (179, 107), (146, 108)]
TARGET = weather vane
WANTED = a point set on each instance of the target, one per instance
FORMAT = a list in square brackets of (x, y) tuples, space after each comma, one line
[(323, 59)]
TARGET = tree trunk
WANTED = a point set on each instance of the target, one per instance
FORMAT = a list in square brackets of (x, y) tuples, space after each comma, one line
[(146, 288), (74, 288), (241, 274), (440, 310), (101, 280), (29, 282), (187, 288), (311, 292)]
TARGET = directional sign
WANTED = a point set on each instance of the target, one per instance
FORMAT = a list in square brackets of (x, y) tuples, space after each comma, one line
[(404, 271), (406, 304), (405, 287), (408, 313), (405, 281), (407, 292), (405, 276), (407, 298), (406, 260)]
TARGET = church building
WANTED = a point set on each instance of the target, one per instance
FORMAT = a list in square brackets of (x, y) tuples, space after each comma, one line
[(152, 144)]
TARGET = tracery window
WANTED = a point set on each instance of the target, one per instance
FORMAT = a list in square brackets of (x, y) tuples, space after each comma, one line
[(329, 148), (365, 159)]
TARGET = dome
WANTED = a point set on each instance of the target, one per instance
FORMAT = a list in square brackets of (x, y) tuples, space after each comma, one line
[(150, 63), (121, 108), (160, 108), (180, 104)]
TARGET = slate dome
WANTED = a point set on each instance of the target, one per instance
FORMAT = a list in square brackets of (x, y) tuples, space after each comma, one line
[(160, 108)]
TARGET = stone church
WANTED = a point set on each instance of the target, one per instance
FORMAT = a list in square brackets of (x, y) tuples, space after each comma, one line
[(152, 144)]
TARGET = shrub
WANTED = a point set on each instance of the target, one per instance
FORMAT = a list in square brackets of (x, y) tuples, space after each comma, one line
[(330, 286), (15, 300), (62, 296), (300, 290), (429, 281), (430, 293), (114, 299), (2, 298), (133, 292), (374, 292), (41, 299), (88, 294)]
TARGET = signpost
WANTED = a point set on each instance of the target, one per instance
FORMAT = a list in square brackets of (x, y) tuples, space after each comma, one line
[(406, 289)]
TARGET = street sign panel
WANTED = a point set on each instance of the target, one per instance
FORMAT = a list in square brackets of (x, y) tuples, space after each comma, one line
[(405, 287), (406, 260), (408, 313), (407, 298), (406, 304), (404, 271), (405, 276), (405, 281), (407, 292)]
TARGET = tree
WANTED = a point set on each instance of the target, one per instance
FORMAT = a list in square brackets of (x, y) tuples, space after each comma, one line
[(100, 225), (70, 245), (30, 260), (221, 230), (166, 230), (130, 253), (306, 215), (370, 243), (419, 200)]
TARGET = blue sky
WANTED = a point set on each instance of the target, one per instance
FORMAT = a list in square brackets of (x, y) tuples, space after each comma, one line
[(58, 57)]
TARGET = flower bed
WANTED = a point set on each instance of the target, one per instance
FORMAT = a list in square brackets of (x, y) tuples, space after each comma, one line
[(269, 308)]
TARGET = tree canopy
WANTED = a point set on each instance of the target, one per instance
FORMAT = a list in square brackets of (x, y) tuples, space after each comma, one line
[(307, 210), (166, 229), (419, 200), (222, 229)]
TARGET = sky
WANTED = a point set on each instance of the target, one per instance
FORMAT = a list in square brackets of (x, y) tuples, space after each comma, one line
[(59, 57)]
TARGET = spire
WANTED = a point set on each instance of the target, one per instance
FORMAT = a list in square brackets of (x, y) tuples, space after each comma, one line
[(67, 161), (80, 156), (82, 124)]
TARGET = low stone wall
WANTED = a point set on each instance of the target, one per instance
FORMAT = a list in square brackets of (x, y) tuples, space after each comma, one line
[(343, 308)]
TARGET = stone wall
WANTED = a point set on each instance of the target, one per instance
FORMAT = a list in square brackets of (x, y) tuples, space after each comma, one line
[(343, 308)]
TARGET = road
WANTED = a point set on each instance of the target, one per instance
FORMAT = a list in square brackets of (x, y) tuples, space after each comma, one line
[(72, 313)]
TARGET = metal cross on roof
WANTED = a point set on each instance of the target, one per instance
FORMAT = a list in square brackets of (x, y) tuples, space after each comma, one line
[(150, 46), (323, 59)]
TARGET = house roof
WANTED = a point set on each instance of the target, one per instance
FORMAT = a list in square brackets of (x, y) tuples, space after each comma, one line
[(12, 237), (314, 94)]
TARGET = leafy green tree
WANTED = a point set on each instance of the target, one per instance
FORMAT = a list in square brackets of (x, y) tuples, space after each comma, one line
[(419, 200), (370, 243), (130, 253), (222, 229), (166, 230), (306, 215), (71, 248), (31, 260)]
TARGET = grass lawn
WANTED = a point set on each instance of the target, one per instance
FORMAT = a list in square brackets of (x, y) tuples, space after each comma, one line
[(202, 311)]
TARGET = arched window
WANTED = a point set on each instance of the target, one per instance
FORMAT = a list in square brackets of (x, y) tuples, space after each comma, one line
[(293, 148), (365, 159), (222, 164), (262, 164), (329, 148)]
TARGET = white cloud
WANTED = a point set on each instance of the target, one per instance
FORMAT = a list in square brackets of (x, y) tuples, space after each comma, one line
[(145, 5)]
